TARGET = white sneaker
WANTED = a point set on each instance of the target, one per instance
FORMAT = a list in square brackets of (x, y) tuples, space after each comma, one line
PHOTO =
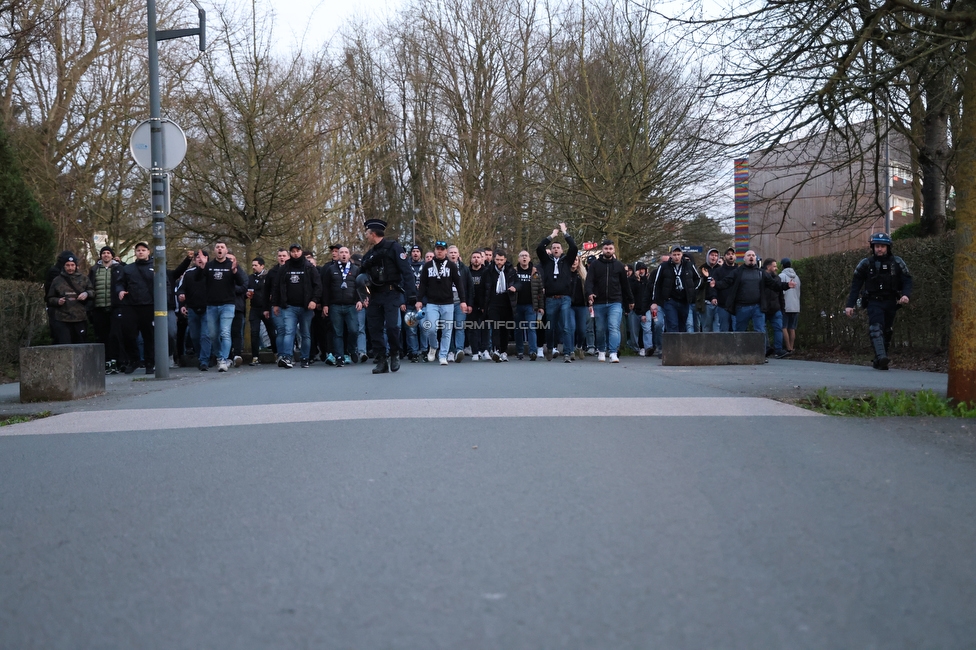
[(459, 356), (613, 358), (504, 356), (431, 354), (443, 362), (642, 352), (540, 353), (222, 365), (602, 356), (238, 361), (467, 350), (497, 358), (485, 356)]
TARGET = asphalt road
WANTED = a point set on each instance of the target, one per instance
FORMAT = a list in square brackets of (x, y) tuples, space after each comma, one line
[(480, 519)]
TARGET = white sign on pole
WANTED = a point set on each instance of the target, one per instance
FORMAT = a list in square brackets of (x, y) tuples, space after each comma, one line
[(174, 145)]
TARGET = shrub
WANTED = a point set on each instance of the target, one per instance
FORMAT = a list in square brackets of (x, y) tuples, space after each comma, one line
[(23, 320), (924, 323)]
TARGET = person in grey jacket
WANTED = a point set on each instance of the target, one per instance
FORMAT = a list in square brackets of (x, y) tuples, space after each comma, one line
[(791, 313)]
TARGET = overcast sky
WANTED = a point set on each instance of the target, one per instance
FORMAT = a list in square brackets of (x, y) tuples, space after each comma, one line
[(318, 20)]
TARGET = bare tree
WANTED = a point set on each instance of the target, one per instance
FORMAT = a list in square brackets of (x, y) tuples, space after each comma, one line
[(632, 142), (816, 66)]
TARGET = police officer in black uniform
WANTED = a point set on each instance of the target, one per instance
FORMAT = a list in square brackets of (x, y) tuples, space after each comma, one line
[(391, 288), (887, 286)]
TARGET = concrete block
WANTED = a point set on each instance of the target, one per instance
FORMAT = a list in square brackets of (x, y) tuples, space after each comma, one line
[(713, 349), (57, 373)]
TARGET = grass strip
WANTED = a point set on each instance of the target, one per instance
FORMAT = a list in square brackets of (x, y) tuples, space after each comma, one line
[(902, 403)]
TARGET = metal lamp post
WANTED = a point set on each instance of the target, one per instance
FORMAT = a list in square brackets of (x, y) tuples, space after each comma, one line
[(160, 180)]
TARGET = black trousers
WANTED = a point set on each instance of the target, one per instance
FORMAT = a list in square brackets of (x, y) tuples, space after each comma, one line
[(383, 317), (882, 313), (503, 321), (136, 320), (255, 318), (237, 334), (108, 330), (67, 333)]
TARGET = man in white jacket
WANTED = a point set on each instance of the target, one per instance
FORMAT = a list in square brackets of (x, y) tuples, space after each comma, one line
[(792, 312)]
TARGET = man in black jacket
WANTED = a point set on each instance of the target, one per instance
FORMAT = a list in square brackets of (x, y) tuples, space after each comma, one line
[(607, 291), (674, 289), (414, 339), (341, 302), (136, 298), (257, 293), (297, 291), (460, 313), (555, 271), (192, 302), (440, 280), (222, 279), (746, 298), (726, 318), (500, 296), (391, 288)]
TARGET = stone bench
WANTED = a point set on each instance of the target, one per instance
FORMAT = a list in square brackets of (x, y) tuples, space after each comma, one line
[(713, 349), (57, 373)]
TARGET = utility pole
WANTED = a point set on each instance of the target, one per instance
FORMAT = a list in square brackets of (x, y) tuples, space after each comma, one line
[(159, 182)]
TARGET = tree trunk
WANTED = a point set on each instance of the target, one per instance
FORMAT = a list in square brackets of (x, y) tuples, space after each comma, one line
[(933, 158), (962, 339)]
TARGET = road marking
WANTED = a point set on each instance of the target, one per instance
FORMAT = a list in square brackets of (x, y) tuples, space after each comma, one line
[(251, 414)]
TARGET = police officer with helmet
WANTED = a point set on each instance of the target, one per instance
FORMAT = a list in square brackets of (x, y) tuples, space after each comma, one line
[(391, 287), (887, 285)]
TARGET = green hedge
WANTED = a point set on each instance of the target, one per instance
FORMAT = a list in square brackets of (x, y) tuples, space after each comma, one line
[(23, 320), (924, 323)]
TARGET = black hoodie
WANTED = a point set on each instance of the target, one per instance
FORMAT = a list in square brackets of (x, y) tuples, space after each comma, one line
[(438, 279), (607, 280)]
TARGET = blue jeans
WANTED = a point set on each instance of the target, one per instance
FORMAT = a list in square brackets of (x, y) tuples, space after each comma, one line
[(296, 319), (776, 322), (525, 326), (675, 316), (361, 341), (746, 313), (633, 329), (459, 318), (279, 325), (581, 317), (344, 321), (647, 326), (710, 319), (197, 333), (607, 317), (219, 321), (442, 316), (726, 320), (557, 312)]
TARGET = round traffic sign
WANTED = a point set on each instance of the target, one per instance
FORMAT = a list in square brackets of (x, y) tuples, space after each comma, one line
[(174, 145)]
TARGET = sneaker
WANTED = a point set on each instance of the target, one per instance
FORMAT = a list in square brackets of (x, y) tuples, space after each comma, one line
[(613, 358), (339, 362), (781, 354), (787, 353), (505, 356), (329, 360), (281, 362), (520, 356), (533, 356), (591, 351), (459, 356), (569, 358), (363, 357), (203, 367), (306, 364), (150, 369), (497, 358), (254, 362), (537, 354), (579, 354), (173, 365), (601, 356), (642, 352), (222, 365), (467, 350), (431, 354), (548, 354), (238, 361), (484, 356), (556, 353), (288, 363), (443, 361), (345, 359)]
